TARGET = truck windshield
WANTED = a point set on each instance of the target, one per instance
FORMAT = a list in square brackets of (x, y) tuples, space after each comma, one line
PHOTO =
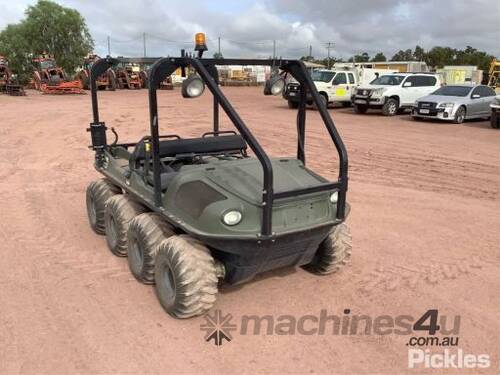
[(388, 80), (322, 76), (453, 91)]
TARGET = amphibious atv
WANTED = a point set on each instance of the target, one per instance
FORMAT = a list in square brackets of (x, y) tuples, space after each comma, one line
[(193, 212)]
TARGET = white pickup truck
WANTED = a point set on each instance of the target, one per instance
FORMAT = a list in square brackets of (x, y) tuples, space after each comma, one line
[(392, 92), (334, 85)]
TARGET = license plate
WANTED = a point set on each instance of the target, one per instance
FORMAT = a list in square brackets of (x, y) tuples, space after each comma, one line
[(424, 111), (293, 94), (360, 101)]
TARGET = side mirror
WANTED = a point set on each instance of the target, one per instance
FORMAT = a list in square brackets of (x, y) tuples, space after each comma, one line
[(476, 96), (407, 84), (274, 85)]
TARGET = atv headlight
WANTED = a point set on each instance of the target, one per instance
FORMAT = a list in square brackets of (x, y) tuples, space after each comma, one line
[(232, 217), (446, 105), (192, 87), (334, 197)]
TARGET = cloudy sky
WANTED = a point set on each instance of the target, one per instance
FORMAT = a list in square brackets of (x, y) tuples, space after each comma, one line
[(248, 28)]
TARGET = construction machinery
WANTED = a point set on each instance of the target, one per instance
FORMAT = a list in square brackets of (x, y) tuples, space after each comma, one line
[(494, 76), (127, 76), (7, 80), (51, 79), (166, 84), (190, 213), (103, 82)]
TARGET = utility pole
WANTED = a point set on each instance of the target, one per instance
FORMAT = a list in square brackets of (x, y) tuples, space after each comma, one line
[(310, 51), (144, 43), (218, 46), (109, 46), (274, 49), (329, 46)]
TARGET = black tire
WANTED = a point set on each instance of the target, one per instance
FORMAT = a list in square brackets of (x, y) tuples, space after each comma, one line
[(459, 115), (390, 107), (359, 108), (186, 277), (145, 232), (293, 105), (111, 81), (143, 77), (495, 120), (323, 99), (98, 193), (333, 253), (346, 104), (120, 210)]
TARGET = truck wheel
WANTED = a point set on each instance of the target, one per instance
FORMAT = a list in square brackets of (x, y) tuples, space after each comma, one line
[(360, 108), (120, 209), (333, 252), (390, 107), (98, 193), (459, 116), (186, 277), (323, 98), (346, 104), (293, 105), (495, 120), (145, 232)]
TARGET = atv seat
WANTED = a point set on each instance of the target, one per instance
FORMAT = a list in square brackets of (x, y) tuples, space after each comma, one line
[(192, 146)]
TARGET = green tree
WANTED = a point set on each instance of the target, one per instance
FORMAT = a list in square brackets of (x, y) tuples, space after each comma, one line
[(49, 27), (419, 54), (440, 56), (379, 57), (403, 55)]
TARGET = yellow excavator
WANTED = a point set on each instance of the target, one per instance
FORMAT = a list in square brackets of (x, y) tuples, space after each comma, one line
[(494, 76)]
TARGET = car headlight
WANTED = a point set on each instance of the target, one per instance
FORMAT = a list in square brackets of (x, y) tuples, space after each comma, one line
[(378, 92), (232, 217), (446, 105), (334, 197)]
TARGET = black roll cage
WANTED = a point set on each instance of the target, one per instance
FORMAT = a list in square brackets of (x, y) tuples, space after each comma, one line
[(206, 69)]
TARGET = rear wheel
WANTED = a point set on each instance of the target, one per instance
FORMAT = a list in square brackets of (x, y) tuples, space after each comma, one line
[(359, 108), (186, 277), (390, 107), (120, 210), (145, 232), (459, 116), (98, 193), (293, 105), (333, 253), (495, 120)]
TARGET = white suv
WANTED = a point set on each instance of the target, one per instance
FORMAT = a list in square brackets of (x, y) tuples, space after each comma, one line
[(392, 92)]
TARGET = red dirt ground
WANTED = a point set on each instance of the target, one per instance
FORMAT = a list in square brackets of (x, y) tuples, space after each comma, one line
[(425, 213)]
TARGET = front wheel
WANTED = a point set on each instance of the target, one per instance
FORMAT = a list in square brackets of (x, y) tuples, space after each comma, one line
[(459, 116), (323, 99), (495, 120), (98, 193), (293, 105), (333, 253), (390, 107), (359, 108), (186, 277)]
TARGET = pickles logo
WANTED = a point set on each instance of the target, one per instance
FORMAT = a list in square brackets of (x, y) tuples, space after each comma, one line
[(218, 327)]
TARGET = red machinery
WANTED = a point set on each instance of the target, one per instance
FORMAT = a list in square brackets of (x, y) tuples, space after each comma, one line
[(127, 77), (7, 84), (105, 81), (51, 79)]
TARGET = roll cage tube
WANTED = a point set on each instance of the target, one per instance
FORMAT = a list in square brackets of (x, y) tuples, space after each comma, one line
[(207, 71), (98, 129)]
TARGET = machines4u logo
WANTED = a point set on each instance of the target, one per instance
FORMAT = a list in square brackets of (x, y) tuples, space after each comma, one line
[(218, 327)]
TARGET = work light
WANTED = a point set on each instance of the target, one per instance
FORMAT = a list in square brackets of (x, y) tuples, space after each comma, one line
[(192, 87), (274, 85)]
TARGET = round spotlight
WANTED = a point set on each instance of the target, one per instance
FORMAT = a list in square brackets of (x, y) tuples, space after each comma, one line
[(334, 197), (192, 87), (232, 217), (274, 85)]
